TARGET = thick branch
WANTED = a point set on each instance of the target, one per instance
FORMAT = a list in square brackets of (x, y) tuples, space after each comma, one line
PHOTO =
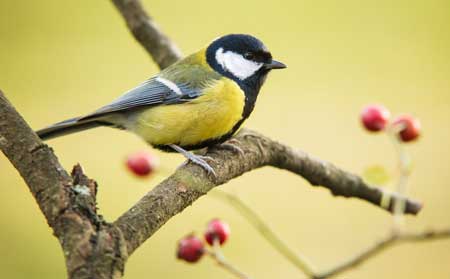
[(190, 182), (35, 161), (338, 181), (163, 51), (92, 248)]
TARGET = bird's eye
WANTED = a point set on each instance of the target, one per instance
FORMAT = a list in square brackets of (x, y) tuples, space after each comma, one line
[(249, 56)]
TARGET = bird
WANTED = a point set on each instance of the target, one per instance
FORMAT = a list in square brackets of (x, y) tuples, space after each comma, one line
[(198, 102)]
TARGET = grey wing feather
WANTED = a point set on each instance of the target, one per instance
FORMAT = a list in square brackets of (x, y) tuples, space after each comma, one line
[(150, 93)]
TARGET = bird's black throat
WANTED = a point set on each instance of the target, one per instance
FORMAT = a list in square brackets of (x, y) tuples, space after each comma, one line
[(240, 44)]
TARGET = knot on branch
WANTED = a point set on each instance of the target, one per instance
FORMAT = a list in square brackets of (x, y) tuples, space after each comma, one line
[(84, 196), (91, 245)]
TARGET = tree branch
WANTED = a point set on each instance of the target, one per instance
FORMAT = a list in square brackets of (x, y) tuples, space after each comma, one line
[(303, 263), (297, 259), (381, 245), (35, 162), (163, 51), (93, 249), (190, 182)]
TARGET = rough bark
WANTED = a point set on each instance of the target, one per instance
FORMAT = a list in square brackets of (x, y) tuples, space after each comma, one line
[(92, 247)]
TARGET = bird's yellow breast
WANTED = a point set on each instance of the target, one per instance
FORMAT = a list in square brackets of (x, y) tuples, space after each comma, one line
[(209, 116)]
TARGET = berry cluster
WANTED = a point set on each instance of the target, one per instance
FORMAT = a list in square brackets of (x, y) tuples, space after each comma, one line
[(191, 248), (375, 118)]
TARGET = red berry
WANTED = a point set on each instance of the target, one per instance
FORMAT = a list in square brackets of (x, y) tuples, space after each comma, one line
[(375, 117), (190, 249), (409, 127), (217, 229), (142, 163)]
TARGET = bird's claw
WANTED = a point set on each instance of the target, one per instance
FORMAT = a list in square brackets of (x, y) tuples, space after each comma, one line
[(196, 159), (201, 161), (231, 146)]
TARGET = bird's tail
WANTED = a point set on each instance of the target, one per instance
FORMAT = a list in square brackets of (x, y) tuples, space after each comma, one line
[(68, 126)]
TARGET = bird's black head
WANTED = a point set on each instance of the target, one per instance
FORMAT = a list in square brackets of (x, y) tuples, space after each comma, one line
[(242, 58)]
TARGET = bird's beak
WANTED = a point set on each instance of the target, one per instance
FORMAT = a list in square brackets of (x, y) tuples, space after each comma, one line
[(274, 65)]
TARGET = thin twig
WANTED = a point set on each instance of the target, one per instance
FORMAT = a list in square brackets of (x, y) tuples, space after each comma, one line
[(404, 164), (384, 243), (301, 262), (217, 255)]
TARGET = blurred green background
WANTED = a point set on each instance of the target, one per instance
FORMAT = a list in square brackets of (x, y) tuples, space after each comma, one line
[(59, 59)]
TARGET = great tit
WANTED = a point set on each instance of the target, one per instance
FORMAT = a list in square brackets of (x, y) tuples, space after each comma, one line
[(197, 102)]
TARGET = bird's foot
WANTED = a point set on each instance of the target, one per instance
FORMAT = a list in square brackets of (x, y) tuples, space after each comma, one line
[(199, 160), (202, 162), (232, 146)]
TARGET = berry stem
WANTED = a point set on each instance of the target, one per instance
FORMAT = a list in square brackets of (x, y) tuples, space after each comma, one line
[(299, 261), (217, 255), (404, 163)]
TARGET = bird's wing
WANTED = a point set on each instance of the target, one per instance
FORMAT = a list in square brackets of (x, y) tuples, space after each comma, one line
[(155, 91)]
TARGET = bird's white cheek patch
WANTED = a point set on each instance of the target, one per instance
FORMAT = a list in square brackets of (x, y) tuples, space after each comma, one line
[(236, 64)]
